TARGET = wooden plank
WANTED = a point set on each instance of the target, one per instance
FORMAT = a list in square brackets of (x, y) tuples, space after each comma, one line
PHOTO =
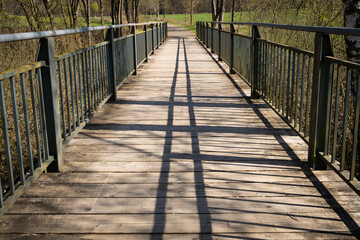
[(249, 205), (190, 223), (182, 236), (245, 189), (182, 166), (188, 177)]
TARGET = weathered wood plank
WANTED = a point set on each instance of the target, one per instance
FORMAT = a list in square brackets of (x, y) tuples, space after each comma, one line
[(249, 205), (188, 177), (221, 236), (245, 189), (190, 223)]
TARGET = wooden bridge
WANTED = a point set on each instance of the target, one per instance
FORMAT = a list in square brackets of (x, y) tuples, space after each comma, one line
[(185, 153)]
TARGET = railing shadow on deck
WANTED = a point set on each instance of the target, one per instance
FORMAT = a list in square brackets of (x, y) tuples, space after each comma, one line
[(333, 203)]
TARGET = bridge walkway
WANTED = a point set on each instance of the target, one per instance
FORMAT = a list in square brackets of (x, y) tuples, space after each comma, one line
[(184, 153)]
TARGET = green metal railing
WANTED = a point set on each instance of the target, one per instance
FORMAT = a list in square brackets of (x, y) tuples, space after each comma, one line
[(52, 99), (317, 94)]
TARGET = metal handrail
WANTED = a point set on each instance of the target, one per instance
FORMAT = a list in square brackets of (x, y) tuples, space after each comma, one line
[(36, 35), (315, 29)]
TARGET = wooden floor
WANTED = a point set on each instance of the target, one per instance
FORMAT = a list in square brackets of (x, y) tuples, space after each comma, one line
[(184, 153)]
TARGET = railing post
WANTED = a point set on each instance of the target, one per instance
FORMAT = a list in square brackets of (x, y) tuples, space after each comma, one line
[(112, 72), (146, 44), (212, 37), (219, 32), (255, 62), (133, 31), (232, 30), (320, 101), (152, 39), (46, 52)]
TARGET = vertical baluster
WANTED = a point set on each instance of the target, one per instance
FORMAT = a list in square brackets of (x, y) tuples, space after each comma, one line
[(269, 76), (42, 117), (288, 84), (1, 195), (356, 129), (345, 120), (85, 86), (336, 116), (293, 70), (90, 81), (330, 103), (263, 80), (93, 81), (17, 130), (307, 105), (27, 125), (98, 80), (80, 88), (36, 123), (275, 70), (6, 139), (266, 69), (271, 79), (61, 100), (286, 52), (279, 70), (301, 117), (72, 95), (76, 94), (107, 71), (67, 98), (99, 74), (297, 84)]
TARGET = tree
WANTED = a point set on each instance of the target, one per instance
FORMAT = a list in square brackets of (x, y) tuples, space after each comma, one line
[(351, 10), (50, 7), (101, 11), (232, 10), (218, 10)]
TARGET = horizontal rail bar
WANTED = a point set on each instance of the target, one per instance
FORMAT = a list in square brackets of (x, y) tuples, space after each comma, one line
[(342, 62), (36, 35), (303, 51), (66, 55), (20, 70), (327, 30)]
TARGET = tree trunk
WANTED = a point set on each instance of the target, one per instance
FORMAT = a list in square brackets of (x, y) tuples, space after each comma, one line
[(101, 9), (221, 10), (351, 9), (48, 9), (136, 10), (127, 10), (191, 11), (233, 10), (28, 14), (213, 9), (352, 19), (217, 10)]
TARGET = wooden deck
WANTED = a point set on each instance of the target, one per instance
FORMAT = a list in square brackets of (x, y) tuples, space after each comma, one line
[(184, 153)]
